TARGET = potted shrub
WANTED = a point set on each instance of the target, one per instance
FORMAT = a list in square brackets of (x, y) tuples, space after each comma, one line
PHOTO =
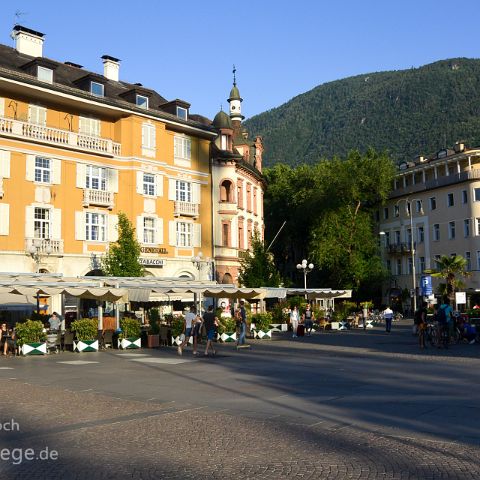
[(130, 336), (280, 317), (227, 330), (153, 336), (177, 324), (86, 331), (31, 339), (262, 323)]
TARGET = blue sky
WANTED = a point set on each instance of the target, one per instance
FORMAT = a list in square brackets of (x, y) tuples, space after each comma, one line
[(185, 49)]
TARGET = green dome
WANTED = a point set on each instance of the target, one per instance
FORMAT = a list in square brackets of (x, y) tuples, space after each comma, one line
[(234, 93), (222, 120)]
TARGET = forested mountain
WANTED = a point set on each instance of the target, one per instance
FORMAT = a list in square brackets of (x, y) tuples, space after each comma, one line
[(406, 112)]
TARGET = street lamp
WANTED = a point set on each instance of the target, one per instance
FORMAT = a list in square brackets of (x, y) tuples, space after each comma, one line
[(307, 268), (198, 262), (37, 251), (409, 212)]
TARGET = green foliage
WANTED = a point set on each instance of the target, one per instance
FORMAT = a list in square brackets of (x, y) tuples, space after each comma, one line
[(154, 321), (226, 325), (85, 328), (408, 112), (130, 327), (297, 301), (280, 312), (262, 321), (122, 257), (257, 268), (177, 326), (30, 331)]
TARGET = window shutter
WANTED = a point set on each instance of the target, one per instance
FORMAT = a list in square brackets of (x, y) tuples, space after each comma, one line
[(112, 228), (29, 214), (81, 175), (172, 233), (172, 187), (4, 164), (30, 166), (4, 218), (196, 193), (140, 183), (56, 223), (159, 185), (37, 115), (159, 231), (140, 229), (188, 145), (197, 234), (56, 173), (113, 180), (79, 226)]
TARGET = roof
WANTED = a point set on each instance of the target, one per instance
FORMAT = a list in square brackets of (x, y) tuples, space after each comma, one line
[(234, 93), (222, 120)]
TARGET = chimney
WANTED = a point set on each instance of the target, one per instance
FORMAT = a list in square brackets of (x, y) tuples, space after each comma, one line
[(28, 42), (111, 67)]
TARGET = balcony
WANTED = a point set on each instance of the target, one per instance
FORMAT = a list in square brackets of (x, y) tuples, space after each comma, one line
[(100, 198), (185, 209), (44, 246), (400, 248), (227, 206), (54, 136)]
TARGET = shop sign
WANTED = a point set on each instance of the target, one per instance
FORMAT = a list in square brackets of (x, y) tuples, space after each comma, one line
[(152, 262), (158, 250)]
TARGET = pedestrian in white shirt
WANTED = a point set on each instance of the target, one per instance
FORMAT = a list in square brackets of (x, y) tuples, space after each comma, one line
[(294, 317), (388, 316)]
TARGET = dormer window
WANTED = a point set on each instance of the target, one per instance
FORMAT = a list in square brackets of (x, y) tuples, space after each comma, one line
[(141, 101), (45, 74), (182, 113), (97, 89)]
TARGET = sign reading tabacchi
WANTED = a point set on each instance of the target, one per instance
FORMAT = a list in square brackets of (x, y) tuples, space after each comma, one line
[(160, 250), (152, 262)]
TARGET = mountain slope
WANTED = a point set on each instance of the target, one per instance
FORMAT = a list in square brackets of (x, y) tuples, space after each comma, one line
[(407, 112)]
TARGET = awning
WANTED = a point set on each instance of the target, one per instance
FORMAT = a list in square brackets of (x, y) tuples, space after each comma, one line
[(100, 294), (11, 301)]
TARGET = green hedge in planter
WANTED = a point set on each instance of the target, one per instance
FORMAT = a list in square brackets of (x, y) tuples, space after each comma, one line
[(30, 331), (154, 321), (262, 321), (177, 326), (226, 325), (130, 328), (85, 329)]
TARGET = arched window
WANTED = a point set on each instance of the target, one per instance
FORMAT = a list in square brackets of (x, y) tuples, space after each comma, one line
[(226, 191), (227, 278)]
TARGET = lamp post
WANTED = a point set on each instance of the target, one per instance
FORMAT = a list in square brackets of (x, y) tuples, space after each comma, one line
[(198, 262), (36, 251), (307, 268), (409, 212)]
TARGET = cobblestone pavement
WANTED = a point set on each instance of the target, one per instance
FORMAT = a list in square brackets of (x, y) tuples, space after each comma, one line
[(354, 405)]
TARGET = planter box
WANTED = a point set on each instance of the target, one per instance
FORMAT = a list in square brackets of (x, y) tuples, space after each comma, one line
[(153, 341), (34, 348), (335, 325), (227, 337), (279, 327), (85, 346), (176, 341), (262, 334), (129, 343)]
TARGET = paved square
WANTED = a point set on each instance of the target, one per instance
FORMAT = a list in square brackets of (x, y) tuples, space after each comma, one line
[(339, 405)]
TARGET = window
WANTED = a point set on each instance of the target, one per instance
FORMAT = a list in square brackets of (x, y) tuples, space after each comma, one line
[(397, 237), (478, 259), (451, 230), (387, 239), (89, 126), (419, 206), (468, 258), (464, 196), (408, 236), (399, 266), (410, 265), (148, 184), (466, 227), (226, 191), (436, 259), (96, 89), (42, 170), (396, 211), (95, 227), (450, 200), (41, 223), (37, 115), (385, 213), (433, 203), (183, 148), (183, 191), (436, 232), (388, 266), (476, 194), (148, 230), (224, 142), (96, 178), (45, 74), (148, 136), (477, 221), (225, 234), (377, 215), (420, 234), (184, 234), (422, 264), (141, 101), (182, 113)]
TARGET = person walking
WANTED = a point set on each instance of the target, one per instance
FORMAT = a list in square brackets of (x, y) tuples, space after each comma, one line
[(388, 316), (187, 328), (211, 322), (308, 318), (196, 332), (242, 324), (421, 324), (444, 318), (294, 321)]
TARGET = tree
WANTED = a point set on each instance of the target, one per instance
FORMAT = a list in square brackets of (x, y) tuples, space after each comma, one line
[(257, 268), (122, 257), (449, 268)]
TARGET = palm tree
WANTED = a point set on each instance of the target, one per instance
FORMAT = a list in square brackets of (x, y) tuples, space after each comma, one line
[(448, 268)]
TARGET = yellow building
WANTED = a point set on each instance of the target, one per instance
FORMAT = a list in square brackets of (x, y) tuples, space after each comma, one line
[(77, 148)]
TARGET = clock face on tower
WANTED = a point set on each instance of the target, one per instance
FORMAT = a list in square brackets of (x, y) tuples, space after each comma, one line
[(233, 107)]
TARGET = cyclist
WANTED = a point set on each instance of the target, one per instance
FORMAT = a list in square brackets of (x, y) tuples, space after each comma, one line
[(444, 319)]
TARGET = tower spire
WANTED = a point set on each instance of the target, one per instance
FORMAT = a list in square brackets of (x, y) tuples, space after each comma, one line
[(234, 71)]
